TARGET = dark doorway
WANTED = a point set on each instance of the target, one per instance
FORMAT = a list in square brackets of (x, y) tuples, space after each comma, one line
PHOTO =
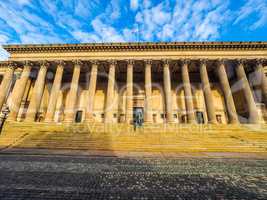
[(138, 116), (200, 117), (78, 117)]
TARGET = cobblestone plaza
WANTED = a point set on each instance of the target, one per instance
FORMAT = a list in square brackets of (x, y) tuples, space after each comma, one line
[(77, 177)]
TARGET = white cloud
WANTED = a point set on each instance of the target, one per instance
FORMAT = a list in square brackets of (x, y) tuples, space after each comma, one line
[(131, 35), (188, 20), (3, 39), (106, 32), (3, 54), (85, 8), (115, 6), (86, 37), (39, 38), (146, 3), (167, 31), (23, 2), (253, 7), (29, 27), (159, 15), (134, 4)]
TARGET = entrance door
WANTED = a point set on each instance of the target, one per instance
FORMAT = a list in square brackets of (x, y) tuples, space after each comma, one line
[(200, 117), (138, 116), (78, 117)]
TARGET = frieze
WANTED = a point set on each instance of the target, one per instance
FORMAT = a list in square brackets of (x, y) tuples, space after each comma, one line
[(173, 46)]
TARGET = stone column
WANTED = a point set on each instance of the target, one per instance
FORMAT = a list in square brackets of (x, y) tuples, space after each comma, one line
[(207, 92), (168, 92), (72, 95), (37, 93), (91, 92), (262, 78), (148, 92), (252, 108), (6, 83), (129, 92), (54, 93), (110, 93), (188, 92), (18, 91), (229, 100)]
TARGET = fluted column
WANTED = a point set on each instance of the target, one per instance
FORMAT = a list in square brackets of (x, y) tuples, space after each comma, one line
[(18, 91), (110, 93), (129, 92), (207, 92), (148, 92), (37, 93), (262, 78), (168, 92), (91, 91), (188, 92), (72, 96), (6, 83), (54, 93), (252, 108), (227, 93)]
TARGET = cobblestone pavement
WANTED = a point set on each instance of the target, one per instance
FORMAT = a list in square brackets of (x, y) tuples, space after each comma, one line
[(73, 177)]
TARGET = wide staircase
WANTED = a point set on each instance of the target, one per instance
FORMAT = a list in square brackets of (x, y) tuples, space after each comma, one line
[(123, 138)]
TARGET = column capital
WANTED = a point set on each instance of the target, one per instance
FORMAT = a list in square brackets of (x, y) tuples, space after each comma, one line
[(130, 62), (203, 61), (94, 62), (28, 63), (112, 62), (185, 61), (259, 61), (241, 61), (166, 61), (77, 62), (221, 61), (148, 62), (12, 65), (61, 63), (44, 64)]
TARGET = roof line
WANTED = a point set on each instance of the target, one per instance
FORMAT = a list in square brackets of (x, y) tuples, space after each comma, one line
[(135, 46)]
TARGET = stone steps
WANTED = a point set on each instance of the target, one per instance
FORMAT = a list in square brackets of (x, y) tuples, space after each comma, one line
[(217, 138)]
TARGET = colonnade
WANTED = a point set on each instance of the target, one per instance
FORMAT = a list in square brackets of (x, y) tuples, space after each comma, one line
[(36, 96)]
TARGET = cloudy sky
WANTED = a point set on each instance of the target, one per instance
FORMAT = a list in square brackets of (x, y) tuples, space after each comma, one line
[(76, 21)]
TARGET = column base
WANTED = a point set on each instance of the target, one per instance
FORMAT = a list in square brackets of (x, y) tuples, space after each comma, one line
[(213, 122), (29, 120), (48, 121), (68, 121), (11, 120), (192, 122), (90, 120), (148, 123), (12, 116), (49, 117), (69, 118), (234, 122), (171, 122)]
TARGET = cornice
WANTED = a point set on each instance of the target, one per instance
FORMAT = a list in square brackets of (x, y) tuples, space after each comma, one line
[(171, 46)]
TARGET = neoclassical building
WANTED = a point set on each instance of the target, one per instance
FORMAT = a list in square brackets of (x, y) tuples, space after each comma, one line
[(209, 82)]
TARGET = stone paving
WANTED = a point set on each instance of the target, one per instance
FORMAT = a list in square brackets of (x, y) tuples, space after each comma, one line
[(83, 177)]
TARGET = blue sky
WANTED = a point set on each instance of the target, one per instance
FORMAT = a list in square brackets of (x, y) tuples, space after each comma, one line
[(76, 21)]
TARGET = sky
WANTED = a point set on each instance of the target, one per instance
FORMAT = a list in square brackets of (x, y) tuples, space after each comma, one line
[(87, 21)]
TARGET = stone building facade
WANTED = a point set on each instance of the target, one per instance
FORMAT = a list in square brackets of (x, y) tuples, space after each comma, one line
[(222, 82)]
